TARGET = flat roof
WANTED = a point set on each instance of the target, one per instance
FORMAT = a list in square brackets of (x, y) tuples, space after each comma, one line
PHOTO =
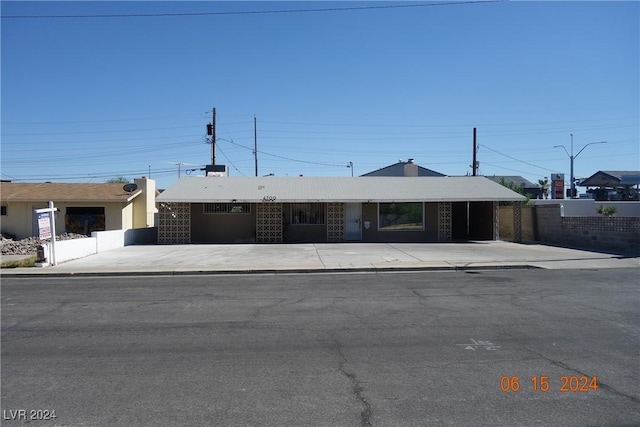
[(336, 189)]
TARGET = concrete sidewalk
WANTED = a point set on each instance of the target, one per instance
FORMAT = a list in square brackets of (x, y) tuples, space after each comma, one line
[(329, 257)]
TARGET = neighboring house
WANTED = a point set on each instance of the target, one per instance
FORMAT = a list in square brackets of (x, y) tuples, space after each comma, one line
[(330, 209), (613, 185), (83, 208), (408, 168), (533, 190)]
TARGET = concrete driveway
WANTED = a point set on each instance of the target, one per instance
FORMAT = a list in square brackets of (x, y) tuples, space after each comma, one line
[(176, 259)]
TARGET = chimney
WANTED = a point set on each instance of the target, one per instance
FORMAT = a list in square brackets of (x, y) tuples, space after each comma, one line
[(144, 205), (410, 168)]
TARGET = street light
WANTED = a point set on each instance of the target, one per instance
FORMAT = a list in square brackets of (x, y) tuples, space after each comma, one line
[(572, 158), (350, 165)]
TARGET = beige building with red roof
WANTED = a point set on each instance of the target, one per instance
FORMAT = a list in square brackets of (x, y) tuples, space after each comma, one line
[(83, 208)]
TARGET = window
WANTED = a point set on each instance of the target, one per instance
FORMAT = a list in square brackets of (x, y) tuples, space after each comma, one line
[(307, 213), (3, 210), (400, 217), (84, 220), (226, 208)]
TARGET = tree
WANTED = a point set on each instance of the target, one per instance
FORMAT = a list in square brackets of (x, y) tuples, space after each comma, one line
[(118, 180), (513, 187), (544, 183)]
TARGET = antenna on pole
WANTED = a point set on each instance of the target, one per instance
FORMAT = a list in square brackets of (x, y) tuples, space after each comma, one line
[(179, 165)]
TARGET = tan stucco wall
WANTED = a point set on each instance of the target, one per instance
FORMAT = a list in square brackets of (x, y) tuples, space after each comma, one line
[(126, 217), (506, 223), (20, 216)]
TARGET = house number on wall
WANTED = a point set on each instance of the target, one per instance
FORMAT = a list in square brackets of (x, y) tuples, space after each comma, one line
[(269, 199)]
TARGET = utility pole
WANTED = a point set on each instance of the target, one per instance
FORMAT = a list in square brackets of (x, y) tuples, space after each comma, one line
[(211, 131), (213, 138), (474, 166), (255, 142), (572, 184)]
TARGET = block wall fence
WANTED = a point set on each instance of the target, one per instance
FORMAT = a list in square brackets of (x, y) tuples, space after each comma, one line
[(544, 223)]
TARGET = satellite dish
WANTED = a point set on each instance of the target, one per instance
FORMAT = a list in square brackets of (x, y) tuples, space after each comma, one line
[(130, 188)]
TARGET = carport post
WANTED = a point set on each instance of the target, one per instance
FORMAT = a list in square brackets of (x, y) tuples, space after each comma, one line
[(517, 222)]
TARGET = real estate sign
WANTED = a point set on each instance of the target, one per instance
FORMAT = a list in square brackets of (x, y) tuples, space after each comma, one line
[(44, 225)]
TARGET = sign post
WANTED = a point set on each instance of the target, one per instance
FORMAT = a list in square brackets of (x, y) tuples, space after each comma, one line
[(47, 227)]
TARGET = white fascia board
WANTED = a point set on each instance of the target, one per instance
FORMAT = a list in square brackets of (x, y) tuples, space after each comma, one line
[(134, 195)]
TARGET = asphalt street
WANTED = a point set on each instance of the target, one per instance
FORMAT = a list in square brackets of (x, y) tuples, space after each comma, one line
[(450, 348)]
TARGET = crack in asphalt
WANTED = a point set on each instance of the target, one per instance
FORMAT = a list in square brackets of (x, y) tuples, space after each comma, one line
[(18, 325), (602, 385), (365, 414), (258, 310)]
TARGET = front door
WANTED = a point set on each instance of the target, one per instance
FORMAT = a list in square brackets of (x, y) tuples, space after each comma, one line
[(353, 221)]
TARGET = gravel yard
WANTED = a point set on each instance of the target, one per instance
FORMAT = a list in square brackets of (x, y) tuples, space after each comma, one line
[(29, 246)]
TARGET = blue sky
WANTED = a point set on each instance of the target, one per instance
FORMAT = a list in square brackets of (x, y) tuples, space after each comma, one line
[(92, 98)]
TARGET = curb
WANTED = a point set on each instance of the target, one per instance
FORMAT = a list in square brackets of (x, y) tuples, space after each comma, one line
[(267, 271)]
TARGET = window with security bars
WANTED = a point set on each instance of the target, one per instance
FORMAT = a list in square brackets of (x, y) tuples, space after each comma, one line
[(307, 213), (226, 208)]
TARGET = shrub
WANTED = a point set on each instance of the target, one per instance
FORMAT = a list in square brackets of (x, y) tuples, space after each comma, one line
[(606, 210)]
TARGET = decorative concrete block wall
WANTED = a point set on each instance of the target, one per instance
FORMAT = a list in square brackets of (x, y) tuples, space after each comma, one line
[(444, 222), (174, 223), (269, 222), (615, 234), (335, 222)]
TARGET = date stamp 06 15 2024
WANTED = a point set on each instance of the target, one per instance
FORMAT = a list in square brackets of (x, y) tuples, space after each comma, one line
[(541, 383)]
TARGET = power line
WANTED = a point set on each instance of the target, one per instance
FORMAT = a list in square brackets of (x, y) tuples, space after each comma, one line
[(86, 141), (517, 160), (403, 125), (251, 12), (229, 160), (69, 177), (129, 119), (120, 152), (509, 169), (288, 158), (93, 131)]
